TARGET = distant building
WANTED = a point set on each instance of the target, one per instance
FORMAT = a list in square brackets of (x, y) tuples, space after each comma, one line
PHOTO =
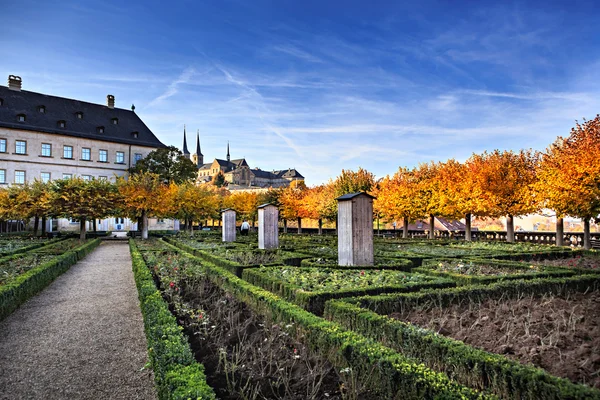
[(237, 173), (47, 137)]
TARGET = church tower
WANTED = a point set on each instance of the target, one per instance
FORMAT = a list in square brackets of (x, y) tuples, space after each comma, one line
[(199, 155), (186, 152), (228, 157)]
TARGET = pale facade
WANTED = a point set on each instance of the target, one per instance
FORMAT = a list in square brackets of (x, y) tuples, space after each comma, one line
[(47, 138)]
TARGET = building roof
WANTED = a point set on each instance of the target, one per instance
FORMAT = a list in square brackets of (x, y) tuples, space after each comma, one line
[(350, 196), (288, 173), (58, 109), (259, 173)]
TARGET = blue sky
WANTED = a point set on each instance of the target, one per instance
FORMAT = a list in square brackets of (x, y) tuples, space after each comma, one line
[(320, 86)]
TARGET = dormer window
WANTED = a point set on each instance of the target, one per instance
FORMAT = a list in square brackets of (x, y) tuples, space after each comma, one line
[(100, 129), (1, 102), (42, 109), (79, 115), (21, 117), (115, 121), (62, 124), (134, 135)]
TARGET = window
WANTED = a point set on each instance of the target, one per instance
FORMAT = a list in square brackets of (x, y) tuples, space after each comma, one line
[(137, 158), (42, 109), (2, 145), (67, 176), (45, 177), (115, 121), (120, 158), (21, 117), (103, 156), (21, 147), (67, 151), (2, 176), (86, 154), (1, 102), (46, 150), (20, 177), (103, 178), (86, 177), (100, 129), (79, 115), (134, 134), (62, 124)]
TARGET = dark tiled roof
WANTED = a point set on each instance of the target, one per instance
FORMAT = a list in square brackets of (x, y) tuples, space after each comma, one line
[(266, 205), (259, 173), (63, 109), (241, 162), (205, 166), (222, 163), (350, 196), (288, 173)]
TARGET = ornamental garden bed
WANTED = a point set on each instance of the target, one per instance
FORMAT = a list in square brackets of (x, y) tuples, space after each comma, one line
[(310, 288), (12, 245), (560, 334), (552, 323), (379, 263), (467, 272)]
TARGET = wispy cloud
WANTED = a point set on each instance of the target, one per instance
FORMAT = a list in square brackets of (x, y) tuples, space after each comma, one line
[(296, 52), (173, 87)]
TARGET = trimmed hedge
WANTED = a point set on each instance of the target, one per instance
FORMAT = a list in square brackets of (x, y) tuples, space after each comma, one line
[(467, 365), (315, 301), (176, 372), (398, 264), (381, 369), (462, 279), (30, 283)]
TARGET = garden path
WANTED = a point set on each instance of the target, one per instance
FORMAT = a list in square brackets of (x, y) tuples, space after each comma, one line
[(80, 338)]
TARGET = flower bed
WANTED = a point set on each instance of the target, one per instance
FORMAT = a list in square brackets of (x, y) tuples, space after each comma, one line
[(468, 365), (312, 287), (467, 272), (13, 245)]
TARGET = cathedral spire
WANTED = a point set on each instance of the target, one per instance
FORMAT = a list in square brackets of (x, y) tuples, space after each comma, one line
[(186, 152), (228, 157), (200, 157)]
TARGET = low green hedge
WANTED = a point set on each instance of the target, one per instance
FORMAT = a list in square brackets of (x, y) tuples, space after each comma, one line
[(467, 365), (379, 368), (380, 263), (428, 268), (315, 301), (27, 285), (176, 372)]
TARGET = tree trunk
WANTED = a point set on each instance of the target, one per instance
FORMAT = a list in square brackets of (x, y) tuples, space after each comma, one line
[(44, 226), (431, 226), (405, 228), (468, 236), (586, 234), (82, 229), (320, 226), (285, 225), (510, 229), (378, 225), (299, 225), (560, 232), (94, 225), (144, 225), (36, 225)]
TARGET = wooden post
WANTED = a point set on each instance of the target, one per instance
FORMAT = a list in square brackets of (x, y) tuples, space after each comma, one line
[(560, 232), (268, 230), (355, 229), (228, 217), (510, 229)]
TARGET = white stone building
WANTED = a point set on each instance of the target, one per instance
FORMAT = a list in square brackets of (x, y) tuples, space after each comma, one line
[(49, 137)]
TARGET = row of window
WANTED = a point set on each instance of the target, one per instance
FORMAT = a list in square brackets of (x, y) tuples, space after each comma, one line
[(20, 177), (61, 123), (86, 152)]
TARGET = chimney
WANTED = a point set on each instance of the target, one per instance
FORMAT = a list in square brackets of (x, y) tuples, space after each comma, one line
[(110, 101), (14, 83)]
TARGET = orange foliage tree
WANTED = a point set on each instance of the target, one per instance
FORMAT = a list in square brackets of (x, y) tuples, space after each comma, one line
[(291, 203)]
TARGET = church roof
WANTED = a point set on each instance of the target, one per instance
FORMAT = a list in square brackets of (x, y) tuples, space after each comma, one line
[(60, 109), (288, 173)]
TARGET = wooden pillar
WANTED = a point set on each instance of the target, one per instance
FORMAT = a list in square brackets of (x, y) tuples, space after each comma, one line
[(268, 230), (228, 218), (355, 229)]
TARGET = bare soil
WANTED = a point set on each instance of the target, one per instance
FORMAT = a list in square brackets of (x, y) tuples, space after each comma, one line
[(558, 334), (585, 262)]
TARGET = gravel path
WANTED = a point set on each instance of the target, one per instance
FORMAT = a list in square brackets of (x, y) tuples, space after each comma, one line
[(81, 338)]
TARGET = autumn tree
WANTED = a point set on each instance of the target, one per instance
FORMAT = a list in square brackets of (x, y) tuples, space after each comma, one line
[(245, 204), (506, 183), (195, 203), (218, 180), (569, 177), (426, 202), (169, 164), (145, 194), (82, 200), (291, 202)]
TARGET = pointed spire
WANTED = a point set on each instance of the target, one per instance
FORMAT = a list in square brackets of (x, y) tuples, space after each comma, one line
[(228, 157), (198, 143), (186, 152)]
